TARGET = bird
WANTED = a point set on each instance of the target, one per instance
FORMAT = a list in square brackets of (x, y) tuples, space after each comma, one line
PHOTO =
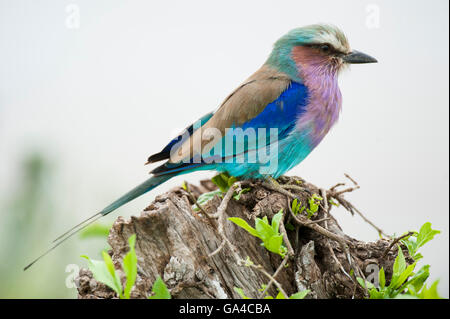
[(275, 118)]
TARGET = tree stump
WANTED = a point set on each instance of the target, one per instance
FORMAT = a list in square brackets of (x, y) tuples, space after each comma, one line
[(174, 241)]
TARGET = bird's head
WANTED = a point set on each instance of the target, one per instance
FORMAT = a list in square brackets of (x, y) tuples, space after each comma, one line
[(320, 47)]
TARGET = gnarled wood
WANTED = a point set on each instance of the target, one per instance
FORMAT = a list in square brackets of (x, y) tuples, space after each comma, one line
[(174, 241)]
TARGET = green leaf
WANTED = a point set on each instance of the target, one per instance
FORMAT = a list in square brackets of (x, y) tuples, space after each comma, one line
[(375, 294), (314, 202), (404, 275), (231, 180), (276, 221), (269, 234), (294, 206), (381, 278), (425, 234), (417, 280), (280, 295), (160, 290), (242, 191), (112, 271), (243, 224), (130, 266), (103, 274), (274, 244), (205, 198), (417, 240), (95, 230), (404, 282), (300, 294), (411, 243), (417, 256), (361, 282), (411, 290), (240, 291), (301, 209), (297, 207), (399, 263), (221, 181), (265, 231), (430, 293), (369, 285)]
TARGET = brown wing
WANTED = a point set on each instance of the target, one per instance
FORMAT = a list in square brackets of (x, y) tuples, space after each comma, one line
[(243, 104)]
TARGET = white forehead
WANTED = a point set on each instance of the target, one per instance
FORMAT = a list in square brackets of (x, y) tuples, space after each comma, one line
[(333, 36)]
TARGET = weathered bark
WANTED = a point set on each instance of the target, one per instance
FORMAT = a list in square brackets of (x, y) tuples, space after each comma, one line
[(174, 242)]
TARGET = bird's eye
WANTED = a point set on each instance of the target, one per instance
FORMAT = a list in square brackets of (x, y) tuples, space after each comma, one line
[(325, 48)]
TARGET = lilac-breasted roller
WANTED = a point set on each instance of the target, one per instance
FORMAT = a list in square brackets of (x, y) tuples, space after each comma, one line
[(274, 119)]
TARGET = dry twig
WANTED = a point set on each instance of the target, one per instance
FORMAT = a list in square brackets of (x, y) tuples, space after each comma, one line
[(336, 260), (395, 241), (194, 199), (333, 193), (220, 214), (273, 280)]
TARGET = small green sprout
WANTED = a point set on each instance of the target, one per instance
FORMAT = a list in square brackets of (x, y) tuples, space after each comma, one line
[(104, 272), (242, 191), (405, 283), (314, 203), (205, 198), (160, 290), (223, 181), (417, 240), (297, 207), (268, 233)]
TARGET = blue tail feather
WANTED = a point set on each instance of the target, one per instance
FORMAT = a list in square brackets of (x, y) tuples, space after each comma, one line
[(139, 190)]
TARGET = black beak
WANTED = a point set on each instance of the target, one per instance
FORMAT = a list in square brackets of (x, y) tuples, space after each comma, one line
[(357, 57)]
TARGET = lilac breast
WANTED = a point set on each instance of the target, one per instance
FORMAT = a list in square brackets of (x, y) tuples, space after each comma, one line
[(320, 76)]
